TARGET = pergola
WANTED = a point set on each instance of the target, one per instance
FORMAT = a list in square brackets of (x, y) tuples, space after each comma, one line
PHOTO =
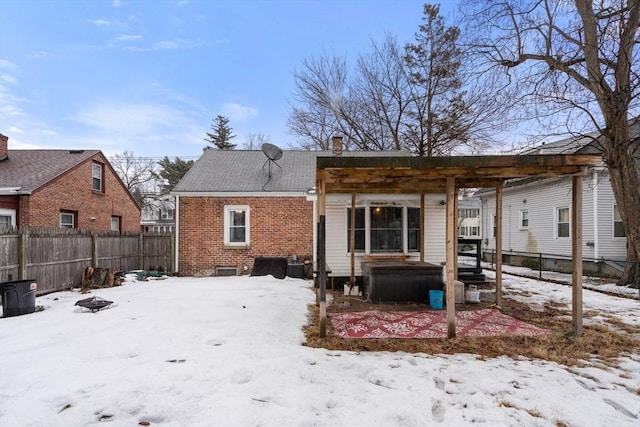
[(445, 175)]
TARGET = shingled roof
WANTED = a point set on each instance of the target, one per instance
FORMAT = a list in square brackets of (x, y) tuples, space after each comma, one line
[(24, 171), (246, 171)]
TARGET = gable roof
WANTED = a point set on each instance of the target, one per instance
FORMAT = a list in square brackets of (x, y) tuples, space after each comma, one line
[(24, 171), (247, 171), (242, 171)]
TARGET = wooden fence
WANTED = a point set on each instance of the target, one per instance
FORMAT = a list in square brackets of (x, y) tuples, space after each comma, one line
[(56, 259)]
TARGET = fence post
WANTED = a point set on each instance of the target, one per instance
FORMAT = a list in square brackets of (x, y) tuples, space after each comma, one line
[(94, 250), (540, 264), (22, 257), (172, 254), (140, 251)]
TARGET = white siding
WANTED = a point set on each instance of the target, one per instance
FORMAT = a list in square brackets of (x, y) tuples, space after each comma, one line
[(542, 200), (339, 260), (609, 247)]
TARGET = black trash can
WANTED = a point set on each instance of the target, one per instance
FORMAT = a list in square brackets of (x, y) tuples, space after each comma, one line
[(18, 297)]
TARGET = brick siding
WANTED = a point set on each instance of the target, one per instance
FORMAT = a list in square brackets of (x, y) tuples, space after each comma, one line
[(279, 226), (73, 192)]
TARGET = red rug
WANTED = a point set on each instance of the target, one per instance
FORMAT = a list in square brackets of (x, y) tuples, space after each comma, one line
[(428, 324)]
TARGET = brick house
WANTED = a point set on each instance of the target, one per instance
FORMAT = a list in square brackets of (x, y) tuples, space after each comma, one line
[(63, 188), (235, 205)]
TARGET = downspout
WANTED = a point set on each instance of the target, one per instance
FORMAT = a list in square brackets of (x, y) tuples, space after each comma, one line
[(315, 231), (596, 224), (176, 261)]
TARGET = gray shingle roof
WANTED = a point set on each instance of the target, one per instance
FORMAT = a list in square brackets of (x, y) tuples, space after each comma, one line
[(29, 170), (245, 171), (241, 171)]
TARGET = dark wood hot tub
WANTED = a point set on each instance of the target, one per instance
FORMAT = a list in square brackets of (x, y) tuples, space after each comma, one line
[(400, 281)]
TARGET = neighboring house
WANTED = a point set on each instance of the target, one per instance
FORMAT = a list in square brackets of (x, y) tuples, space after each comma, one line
[(469, 218), (159, 215), (63, 188), (537, 215)]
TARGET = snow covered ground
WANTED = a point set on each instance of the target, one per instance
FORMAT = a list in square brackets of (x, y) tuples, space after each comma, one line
[(227, 351)]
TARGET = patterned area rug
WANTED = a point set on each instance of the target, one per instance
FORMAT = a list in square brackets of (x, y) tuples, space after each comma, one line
[(428, 324)]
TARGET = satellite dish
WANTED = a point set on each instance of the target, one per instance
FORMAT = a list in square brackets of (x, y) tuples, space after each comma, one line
[(272, 152)]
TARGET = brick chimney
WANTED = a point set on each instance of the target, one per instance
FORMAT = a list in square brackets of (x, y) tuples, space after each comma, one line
[(337, 146), (4, 146)]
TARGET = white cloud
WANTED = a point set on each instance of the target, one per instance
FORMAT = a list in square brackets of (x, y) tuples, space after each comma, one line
[(4, 64), (8, 79), (131, 119), (100, 22), (239, 112), (128, 37), (168, 45), (14, 129)]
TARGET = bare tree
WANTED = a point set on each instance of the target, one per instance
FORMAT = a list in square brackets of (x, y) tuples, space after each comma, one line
[(137, 174), (412, 98), (255, 141), (576, 65)]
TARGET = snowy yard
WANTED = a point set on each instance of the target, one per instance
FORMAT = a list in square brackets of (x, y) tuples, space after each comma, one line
[(227, 351)]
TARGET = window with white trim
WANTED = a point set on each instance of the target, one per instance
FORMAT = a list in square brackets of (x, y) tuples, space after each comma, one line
[(97, 177), (524, 218), (236, 226), (389, 229), (618, 225), (68, 219), (115, 223), (166, 213), (562, 222), (7, 218)]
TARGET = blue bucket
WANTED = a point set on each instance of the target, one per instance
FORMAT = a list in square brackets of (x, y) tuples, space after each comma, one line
[(435, 299)]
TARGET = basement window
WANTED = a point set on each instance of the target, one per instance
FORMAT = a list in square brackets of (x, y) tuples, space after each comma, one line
[(68, 219)]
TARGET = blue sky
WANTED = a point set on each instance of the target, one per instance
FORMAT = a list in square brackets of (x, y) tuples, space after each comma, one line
[(149, 76)]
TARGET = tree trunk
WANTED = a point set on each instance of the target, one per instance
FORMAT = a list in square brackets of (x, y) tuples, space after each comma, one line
[(625, 181)]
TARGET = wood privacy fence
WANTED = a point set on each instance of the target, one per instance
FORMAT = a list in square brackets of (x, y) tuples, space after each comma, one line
[(56, 259)]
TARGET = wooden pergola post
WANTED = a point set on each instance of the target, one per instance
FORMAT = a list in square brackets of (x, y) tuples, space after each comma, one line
[(451, 263), (322, 269), (352, 239), (576, 254), (422, 213)]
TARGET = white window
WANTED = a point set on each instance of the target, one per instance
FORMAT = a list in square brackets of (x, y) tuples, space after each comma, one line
[(618, 226), (7, 218), (475, 231), (67, 219), (524, 218), (388, 229), (562, 224), (96, 174), (493, 225), (115, 223), (236, 225), (166, 213)]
